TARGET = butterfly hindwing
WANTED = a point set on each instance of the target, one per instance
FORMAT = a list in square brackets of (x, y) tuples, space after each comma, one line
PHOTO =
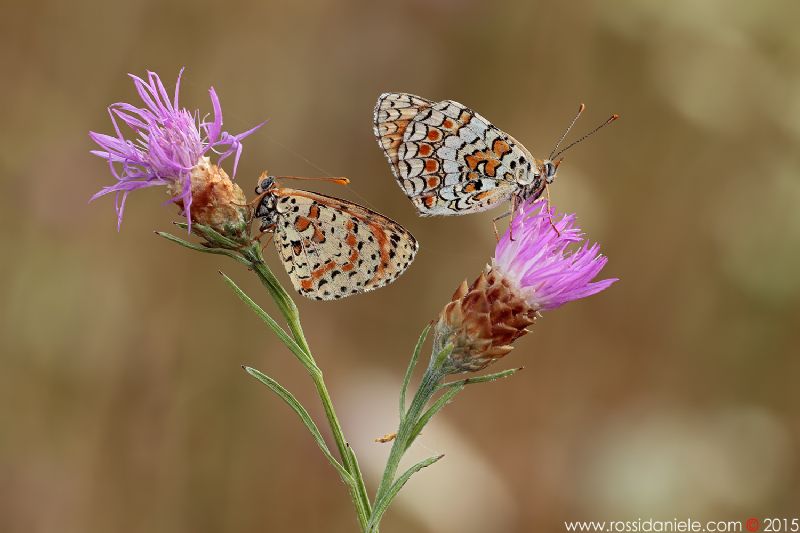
[(453, 161), (333, 248), (393, 113)]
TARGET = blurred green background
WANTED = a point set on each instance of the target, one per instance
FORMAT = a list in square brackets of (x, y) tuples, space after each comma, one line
[(674, 394)]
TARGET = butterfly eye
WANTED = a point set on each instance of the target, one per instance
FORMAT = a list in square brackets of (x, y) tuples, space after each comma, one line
[(265, 184), (549, 171)]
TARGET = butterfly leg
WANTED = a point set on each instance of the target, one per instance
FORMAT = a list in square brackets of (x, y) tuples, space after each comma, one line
[(269, 240), (514, 205), (494, 224), (550, 211)]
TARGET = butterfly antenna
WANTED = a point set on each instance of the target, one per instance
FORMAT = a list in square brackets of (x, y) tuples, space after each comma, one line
[(574, 120), (338, 181), (611, 119)]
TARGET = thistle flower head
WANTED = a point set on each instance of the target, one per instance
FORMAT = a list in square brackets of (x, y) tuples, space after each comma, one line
[(169, 142), (536, 267)]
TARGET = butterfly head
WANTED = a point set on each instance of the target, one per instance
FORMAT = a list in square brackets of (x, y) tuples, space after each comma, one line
[(265, 183), (543, 174), (548, 170)]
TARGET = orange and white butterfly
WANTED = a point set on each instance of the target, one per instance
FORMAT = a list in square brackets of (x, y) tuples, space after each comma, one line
[(332, 248), (449, 160)]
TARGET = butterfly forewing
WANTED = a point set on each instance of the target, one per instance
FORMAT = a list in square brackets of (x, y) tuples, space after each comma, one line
[(333, 248)]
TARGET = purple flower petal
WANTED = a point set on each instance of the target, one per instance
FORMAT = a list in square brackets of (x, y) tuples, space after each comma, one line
[(543, 261), (214, 129)]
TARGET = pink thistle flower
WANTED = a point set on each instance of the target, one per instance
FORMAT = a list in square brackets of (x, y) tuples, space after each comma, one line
[(536, 267), (540, 259), (170, 142)]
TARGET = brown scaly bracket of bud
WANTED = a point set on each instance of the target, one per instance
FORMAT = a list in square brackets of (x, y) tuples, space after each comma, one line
[(217, 201), (481, 321)]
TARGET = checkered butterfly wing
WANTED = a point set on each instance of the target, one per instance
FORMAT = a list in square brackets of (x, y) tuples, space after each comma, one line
[(332, 248), (393, 113), (453, 161)]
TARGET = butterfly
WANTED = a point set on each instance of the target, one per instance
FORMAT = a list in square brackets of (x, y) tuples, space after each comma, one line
[(332, 248), (449, 160)]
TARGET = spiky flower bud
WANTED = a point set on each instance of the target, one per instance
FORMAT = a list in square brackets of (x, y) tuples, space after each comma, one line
[(533, 270), (217, 201), (481, 321)]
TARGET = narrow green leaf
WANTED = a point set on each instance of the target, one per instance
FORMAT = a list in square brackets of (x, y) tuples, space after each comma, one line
[(443, 400), (440, 358), (292, 402), (290, 343), (210, 234), (410, 370), (383, 504), (201, 248), (361, 488), (482, 379)]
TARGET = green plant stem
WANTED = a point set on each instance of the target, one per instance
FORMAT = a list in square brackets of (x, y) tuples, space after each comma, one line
[(427, 388), (283, 301), (289, 311), (437, 406)]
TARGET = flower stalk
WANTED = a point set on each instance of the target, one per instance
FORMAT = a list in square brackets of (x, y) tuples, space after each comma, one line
[(416, 417), (250, 255), (389, 487), (299, 346)]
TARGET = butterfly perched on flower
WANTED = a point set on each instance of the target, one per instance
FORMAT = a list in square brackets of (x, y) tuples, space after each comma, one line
[(449, 160), (332, 248)]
